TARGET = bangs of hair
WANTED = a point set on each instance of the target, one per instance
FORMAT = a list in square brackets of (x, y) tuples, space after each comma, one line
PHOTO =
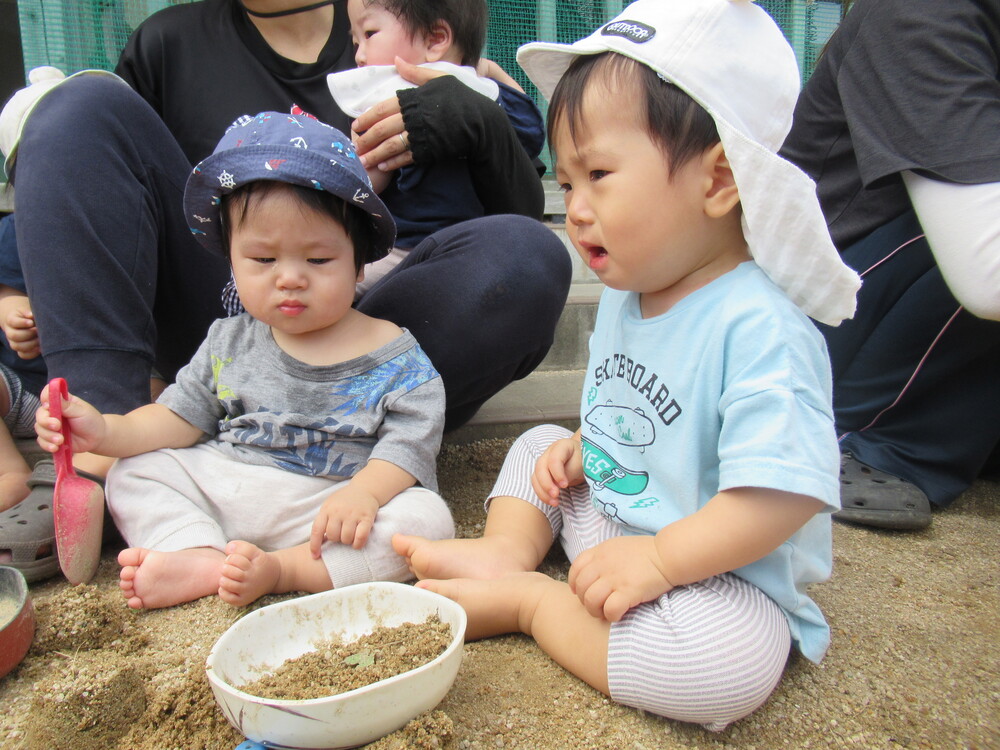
[(674, 121), (358, 225)]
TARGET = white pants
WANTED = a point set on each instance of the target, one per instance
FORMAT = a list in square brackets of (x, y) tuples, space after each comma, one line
[(172, 500), (710, 652)]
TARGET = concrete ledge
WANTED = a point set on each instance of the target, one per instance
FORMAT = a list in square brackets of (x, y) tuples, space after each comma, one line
[(540, 398)]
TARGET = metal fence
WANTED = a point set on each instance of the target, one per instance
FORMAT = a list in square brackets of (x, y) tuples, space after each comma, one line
[(77, 34)]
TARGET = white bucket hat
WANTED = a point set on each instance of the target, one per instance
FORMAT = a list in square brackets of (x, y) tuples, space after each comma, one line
[(732, 59), (22, 102)]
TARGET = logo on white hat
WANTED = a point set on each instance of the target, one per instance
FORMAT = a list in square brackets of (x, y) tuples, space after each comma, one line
[(631, 30)]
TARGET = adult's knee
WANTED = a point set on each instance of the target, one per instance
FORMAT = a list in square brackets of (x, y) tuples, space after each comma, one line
[(533, 263), (75, 108), (535, 247)]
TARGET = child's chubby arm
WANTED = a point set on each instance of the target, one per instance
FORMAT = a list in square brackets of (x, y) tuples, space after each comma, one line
[(489, 69), (559, 467), (733, 529), (142, 430), (18, 322), (380, 180), (347, 516)]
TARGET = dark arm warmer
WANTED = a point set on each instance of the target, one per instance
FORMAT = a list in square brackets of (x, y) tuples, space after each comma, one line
[(447, 120)]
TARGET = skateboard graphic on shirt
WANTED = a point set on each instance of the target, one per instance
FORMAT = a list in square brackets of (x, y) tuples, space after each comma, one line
[(627, 427), (605, 472)]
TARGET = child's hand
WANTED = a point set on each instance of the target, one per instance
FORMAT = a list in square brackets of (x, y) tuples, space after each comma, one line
[(380, 180), (618, 574), (347, 516), (86, 423), (559, 467), (489, 69), (18, 324)]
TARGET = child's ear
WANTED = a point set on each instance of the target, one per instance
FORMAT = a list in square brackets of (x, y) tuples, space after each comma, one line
[(439, 41), (721, 194)]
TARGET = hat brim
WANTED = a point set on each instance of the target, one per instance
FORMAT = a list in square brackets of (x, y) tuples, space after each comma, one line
[(223, 172), (546, 62)]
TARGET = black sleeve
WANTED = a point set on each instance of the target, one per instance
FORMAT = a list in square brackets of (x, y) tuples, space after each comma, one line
[(925, 97), (447, 120)]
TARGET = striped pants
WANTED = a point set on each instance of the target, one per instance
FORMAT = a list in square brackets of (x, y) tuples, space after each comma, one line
[(710, 652)]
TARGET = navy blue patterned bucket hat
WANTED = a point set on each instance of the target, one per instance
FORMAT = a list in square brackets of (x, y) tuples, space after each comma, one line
[(296, 149)]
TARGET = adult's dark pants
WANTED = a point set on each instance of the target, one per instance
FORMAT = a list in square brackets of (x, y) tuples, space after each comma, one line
[(916, 377), (119, 285)]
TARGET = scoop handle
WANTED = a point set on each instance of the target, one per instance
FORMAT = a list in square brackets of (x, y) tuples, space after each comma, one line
[(64, 454)]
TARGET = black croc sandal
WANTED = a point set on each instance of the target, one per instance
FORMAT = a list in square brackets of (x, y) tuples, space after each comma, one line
[(874, 498), (27, 530)]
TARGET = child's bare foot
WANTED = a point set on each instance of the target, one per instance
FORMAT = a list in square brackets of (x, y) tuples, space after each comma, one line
[(494, 607), (13, 488), (248, 574), (484, 558), (151, 579)]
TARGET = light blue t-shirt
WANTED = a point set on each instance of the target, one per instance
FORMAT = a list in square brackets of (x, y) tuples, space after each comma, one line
[(729, 388)]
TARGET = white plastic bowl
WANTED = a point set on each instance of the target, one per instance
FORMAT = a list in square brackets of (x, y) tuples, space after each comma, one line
[(267, 637)]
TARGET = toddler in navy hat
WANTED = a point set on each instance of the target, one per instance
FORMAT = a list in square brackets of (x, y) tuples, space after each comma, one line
[(263, 467)]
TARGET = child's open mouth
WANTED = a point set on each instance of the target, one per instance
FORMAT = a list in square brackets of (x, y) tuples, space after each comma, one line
[(598, 256)]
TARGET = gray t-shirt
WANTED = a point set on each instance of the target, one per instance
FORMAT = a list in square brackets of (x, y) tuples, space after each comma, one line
[(264, 407)]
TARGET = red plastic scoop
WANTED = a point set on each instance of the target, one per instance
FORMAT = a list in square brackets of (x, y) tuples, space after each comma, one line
[(78, 504)]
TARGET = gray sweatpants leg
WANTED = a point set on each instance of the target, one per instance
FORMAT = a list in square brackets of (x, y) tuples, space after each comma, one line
[(171, 500), (710, 652)]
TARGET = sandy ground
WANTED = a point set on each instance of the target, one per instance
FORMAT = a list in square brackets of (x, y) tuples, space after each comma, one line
[(915, 660)]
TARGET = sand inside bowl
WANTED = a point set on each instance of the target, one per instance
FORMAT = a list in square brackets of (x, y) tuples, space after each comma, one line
[(8, 610), (336, 667)]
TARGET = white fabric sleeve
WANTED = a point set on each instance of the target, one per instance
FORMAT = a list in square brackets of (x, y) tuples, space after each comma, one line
[(962, 223)]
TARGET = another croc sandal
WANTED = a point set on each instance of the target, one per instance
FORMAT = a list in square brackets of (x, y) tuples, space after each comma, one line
[(27, 530), (874, 498)]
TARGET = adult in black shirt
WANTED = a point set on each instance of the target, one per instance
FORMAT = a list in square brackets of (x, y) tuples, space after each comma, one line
[(201, 65), (119, 286)]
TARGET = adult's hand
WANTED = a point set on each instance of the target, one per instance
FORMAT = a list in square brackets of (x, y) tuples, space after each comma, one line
[(381, 138), (451, 121)]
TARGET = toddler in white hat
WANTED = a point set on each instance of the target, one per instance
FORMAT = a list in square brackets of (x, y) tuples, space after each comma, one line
[(694, 501)]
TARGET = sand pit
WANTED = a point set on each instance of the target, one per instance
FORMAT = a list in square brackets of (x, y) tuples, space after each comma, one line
[(915, 660)]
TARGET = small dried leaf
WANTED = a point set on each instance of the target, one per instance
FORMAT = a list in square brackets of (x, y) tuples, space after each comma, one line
[(360, 659)]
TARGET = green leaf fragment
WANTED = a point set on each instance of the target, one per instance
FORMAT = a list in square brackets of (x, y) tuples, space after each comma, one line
[(360, 659)]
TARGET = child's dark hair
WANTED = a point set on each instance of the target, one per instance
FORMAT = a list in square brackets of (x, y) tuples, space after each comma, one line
[(467, 18), (676, 122), (357, 224)]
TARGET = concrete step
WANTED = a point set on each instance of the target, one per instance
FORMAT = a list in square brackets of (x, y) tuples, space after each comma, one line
[(544, 397), (569, 347)]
